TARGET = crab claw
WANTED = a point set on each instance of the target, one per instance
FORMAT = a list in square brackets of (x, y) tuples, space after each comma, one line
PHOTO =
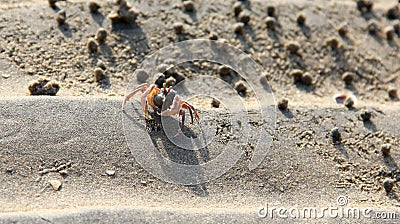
[(175, 107)]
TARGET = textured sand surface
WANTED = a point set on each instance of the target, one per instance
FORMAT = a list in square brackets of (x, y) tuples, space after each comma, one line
[(78, 138)]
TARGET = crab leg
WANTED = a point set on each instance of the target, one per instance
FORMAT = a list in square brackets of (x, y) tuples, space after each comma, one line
[(183, 118), (185, 106), (140, 88), (179, 107), (191, 115), (143, 99), (191, 108)]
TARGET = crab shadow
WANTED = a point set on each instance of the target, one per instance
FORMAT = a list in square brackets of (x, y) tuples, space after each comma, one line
[(168, 150), (166, 145)]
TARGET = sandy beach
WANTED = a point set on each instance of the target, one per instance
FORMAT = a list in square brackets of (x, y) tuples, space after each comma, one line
[(310, 100)]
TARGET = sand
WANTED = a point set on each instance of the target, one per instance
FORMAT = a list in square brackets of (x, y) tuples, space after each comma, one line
[(65, 158)]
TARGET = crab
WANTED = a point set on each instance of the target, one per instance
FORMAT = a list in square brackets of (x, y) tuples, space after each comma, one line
[(165, 101)]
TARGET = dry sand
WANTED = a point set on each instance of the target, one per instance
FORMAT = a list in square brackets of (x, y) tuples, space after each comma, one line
[(76, 138)]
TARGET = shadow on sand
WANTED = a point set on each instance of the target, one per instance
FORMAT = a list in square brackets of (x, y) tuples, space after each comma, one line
[(170, 151)]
